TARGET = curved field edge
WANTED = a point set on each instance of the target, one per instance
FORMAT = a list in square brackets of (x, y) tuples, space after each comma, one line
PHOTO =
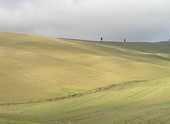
[(146, 103), (89, 92)]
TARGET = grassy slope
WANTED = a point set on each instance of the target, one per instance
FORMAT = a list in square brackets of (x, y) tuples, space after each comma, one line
[(36, 67), (146, 102)]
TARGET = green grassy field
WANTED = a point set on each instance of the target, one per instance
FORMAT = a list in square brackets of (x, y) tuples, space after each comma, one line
[(37, 68)]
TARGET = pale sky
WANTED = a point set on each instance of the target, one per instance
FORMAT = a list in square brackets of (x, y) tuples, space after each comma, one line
[(135, 20)]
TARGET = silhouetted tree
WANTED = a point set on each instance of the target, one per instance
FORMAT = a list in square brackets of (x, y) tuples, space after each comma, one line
[(101, 39)]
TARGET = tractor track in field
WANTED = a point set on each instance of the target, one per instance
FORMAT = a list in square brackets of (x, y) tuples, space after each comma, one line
[(97, 90)]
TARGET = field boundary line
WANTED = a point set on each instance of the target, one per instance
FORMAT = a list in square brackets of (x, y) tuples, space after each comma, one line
[(89, 92)]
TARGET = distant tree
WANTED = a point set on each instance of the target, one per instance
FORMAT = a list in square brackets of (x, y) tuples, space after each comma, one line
[(101, 39), (124, 40)]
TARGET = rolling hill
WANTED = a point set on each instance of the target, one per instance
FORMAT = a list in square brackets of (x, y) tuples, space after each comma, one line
[(36, 68)]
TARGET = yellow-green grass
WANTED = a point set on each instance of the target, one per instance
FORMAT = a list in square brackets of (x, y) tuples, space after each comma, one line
[(147, 103), (36, 67)]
